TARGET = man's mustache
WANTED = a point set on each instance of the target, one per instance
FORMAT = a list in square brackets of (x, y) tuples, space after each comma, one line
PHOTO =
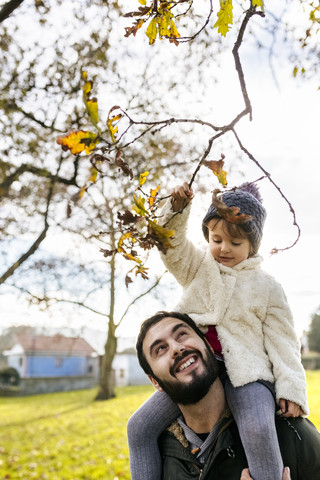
[(181, 357)]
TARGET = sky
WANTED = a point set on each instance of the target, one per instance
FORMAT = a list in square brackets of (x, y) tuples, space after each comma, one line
[(283, 136)]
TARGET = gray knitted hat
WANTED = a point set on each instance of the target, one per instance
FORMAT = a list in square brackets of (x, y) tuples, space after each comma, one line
[(248, 199)]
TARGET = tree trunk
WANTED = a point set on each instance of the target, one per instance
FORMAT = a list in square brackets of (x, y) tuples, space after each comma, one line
[(107, 381)]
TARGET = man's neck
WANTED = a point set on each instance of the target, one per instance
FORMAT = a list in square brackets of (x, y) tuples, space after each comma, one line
[(202, 416)]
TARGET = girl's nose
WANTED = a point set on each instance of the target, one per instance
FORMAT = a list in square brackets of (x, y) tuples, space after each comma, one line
[(225, 247)]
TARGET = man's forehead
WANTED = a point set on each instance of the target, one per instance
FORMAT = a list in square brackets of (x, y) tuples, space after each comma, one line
[(161, 329)]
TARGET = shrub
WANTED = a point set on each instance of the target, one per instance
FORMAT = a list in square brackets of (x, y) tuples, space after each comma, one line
[(9, 376)]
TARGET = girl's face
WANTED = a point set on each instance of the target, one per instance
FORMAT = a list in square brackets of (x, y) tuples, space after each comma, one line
[(224, 248)]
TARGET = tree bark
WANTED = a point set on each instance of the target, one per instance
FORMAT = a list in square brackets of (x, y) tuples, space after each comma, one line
[(107, 381)]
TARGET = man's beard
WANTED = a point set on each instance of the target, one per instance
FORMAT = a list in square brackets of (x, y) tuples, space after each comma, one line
[(192, 392)]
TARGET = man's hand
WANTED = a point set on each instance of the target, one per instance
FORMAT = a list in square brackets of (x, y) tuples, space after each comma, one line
[(181, 196), (289, 409), (245, 475)]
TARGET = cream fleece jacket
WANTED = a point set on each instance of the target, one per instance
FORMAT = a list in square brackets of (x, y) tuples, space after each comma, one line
[(248, 307)]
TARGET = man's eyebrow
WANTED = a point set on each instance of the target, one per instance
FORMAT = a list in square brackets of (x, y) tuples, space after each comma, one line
[(174, 329)]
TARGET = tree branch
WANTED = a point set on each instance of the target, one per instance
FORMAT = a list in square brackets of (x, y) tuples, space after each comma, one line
[(40, 238), (156, 283), (267, 174), (8, 8), (40, 172)]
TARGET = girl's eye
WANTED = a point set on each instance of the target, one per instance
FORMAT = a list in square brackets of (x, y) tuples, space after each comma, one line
[(236, 244)]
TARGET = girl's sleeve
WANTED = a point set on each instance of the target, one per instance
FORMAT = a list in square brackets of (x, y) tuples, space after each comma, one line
[(284, 350), (183, 259)]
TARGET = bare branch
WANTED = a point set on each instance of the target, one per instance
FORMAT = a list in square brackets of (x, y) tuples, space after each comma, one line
[(40, 238), (40, 172), (156, 283), (8, 8), (235, 51), (267, 174)]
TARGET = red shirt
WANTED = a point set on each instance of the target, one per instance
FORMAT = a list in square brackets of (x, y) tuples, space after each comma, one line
[(212, 337)]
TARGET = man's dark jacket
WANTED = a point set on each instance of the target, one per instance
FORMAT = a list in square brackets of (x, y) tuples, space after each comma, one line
[(299, 443)]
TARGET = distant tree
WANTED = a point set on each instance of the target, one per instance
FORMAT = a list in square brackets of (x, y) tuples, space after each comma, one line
[(314, 332), (7, 336)]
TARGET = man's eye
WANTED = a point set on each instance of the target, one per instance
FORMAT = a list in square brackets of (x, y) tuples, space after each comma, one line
[(180, 334), (159, 349)]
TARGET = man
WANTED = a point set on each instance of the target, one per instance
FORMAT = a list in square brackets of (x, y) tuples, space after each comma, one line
[(204, 442)]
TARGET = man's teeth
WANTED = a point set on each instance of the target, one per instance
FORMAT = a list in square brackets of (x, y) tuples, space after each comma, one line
[(186, 364)]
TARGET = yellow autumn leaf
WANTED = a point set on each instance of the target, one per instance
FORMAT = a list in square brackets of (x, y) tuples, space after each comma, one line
[(87, 87), (222, 177), (143, 2), (113, 129), (151, 31), (123, 237), (153, 194), (84, 75), (94, 174), (142, 270), (129, 256), (162, 235), (78, 141), (163, 23), (258, 3), (92, 109), (225, 17), (142, 178), (295, 71), (82, 191), (161, 231), (139, 205), (173, 32)]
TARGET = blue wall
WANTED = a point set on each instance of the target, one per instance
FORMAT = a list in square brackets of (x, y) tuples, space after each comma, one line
[(46, 366)]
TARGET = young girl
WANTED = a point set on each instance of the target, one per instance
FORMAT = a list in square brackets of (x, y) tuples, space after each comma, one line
[(247, 320)]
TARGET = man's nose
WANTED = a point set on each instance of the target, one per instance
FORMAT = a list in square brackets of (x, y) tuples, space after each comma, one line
[(176, 348)]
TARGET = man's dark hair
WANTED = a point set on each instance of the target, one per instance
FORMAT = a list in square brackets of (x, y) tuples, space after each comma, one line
[(149, 322)]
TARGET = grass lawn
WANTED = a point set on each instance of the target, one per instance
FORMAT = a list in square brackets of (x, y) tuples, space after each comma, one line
[(68, 436)]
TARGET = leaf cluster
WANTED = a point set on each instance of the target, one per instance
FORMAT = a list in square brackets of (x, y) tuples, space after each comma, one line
[(161, 15)]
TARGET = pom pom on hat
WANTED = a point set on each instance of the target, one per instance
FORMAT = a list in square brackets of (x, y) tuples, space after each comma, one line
[(248, 200)]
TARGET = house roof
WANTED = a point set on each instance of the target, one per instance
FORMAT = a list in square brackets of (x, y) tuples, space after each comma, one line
[(56, 343)]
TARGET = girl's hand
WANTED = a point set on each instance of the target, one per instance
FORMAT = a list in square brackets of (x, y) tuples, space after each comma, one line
[(181, 196), (289, 409)]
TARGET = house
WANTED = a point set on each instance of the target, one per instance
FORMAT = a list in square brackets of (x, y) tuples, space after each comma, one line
[(35, 356), (127, 370)]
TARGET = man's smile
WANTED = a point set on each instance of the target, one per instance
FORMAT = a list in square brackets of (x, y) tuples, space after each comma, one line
[(186, 364), (183, 362)]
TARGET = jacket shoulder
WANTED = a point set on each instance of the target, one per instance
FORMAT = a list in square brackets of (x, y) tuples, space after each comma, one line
[(299, 442)]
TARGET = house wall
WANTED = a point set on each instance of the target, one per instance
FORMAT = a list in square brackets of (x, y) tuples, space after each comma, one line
[(128, 371), (56, 366), (52, 366)]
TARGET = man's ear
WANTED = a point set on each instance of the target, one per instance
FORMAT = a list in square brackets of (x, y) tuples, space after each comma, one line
[(155, 383)]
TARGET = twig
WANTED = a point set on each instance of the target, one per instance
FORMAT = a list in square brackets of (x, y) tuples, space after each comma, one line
[(267, 174)]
